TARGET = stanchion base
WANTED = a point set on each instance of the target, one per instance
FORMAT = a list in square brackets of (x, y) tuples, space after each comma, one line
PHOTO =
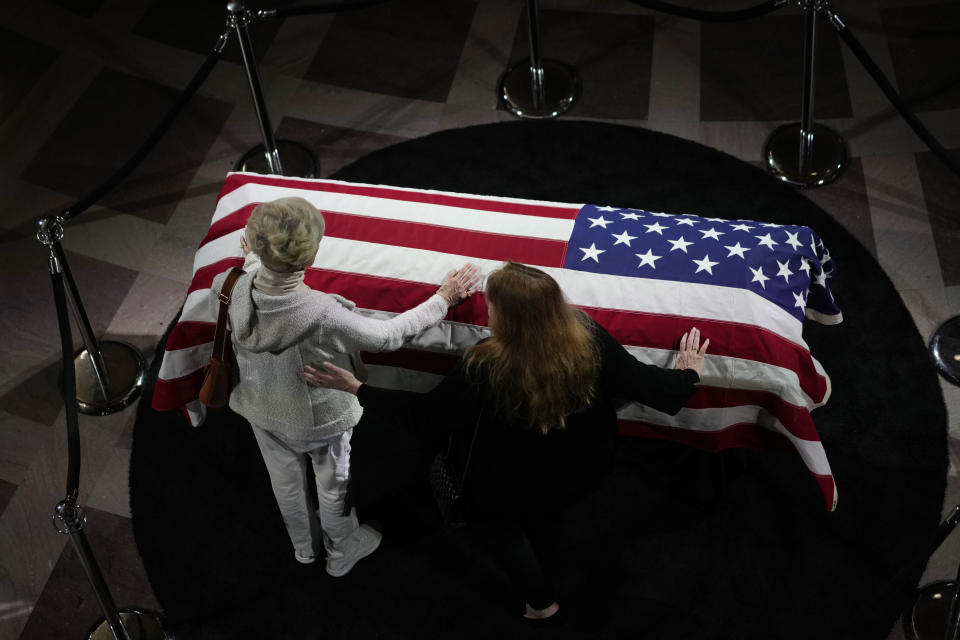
[(297, 160), (927, 616), (125, 368), (945, 349), (140, 625), (829, 155), (561, 88)]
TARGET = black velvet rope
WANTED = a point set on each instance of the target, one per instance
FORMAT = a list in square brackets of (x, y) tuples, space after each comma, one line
[(68, 385), (310, 9), (713, 16), (120, 174), (898, 102)]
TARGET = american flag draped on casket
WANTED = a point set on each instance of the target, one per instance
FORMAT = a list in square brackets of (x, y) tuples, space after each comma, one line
[(646, 276)]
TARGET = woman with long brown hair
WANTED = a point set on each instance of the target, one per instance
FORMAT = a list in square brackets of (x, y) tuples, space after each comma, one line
[(540, 394)]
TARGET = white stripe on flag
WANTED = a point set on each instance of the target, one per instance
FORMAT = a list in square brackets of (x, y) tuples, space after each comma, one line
[(180, 362), (707, 420), (737, 373), (403, 211)]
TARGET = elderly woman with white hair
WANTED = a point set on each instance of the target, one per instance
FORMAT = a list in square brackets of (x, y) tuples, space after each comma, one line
[(278, 325)]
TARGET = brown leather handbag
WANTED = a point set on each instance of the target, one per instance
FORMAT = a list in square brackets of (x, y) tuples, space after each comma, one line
[(217, 375)]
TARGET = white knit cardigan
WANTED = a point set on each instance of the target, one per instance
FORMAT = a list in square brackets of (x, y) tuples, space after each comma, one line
[(275, 335)]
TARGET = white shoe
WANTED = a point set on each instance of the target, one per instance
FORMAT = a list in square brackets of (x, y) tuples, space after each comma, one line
[(361, 543), (303, 558)]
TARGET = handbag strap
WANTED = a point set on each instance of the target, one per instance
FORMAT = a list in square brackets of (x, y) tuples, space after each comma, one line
[(220, 337)]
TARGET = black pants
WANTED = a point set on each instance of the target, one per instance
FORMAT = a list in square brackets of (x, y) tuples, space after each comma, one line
[(524, 549)]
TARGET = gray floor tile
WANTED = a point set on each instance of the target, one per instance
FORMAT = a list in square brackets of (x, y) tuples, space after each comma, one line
[(846, 200), (117, 113), (941, 189), (923, 40), (27, 62), (336, 147), (406, 48), (29, 334)]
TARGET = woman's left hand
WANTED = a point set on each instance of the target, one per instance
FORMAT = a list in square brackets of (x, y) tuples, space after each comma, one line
[(690, 355), (330, 376)]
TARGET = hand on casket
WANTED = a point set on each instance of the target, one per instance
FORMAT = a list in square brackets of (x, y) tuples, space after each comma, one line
[(691, 352), (460, 284)]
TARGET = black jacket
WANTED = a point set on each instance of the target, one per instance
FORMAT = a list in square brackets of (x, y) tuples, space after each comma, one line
[(516, 470)]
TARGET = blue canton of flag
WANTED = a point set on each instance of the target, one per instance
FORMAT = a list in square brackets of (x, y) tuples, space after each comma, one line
[(785, 264)]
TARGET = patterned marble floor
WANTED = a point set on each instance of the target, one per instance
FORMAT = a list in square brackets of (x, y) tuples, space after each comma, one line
[(86, 80)]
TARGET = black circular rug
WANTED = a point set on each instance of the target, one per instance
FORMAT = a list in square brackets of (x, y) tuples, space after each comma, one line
[(678, 544)]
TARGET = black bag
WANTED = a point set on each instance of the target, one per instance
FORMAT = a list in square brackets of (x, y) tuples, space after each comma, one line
[(448, 486)]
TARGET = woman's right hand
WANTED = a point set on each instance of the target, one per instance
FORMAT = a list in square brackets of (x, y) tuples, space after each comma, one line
[(460, 284), (691, 353), (330, 376)]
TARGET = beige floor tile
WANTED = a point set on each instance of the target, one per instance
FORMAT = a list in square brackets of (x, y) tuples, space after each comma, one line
[(675, 71), (20, 442), (147, 311), (364, 111), (485, 56), (112, 491), (901, 226), (743, 140), (98, 239)]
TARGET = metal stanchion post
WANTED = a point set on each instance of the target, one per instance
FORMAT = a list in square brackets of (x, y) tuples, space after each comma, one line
[(945, 349), (68, 517), (109, 373), (283, 157), (806, 154), (537, 88), (934, 613)]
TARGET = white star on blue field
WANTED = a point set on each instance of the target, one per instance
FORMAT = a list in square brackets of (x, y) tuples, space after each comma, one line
[(786, 264)]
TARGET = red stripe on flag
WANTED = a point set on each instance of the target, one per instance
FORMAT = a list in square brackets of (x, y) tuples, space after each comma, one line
[(744, 434), (204, 276), (432, 237), (229, 223), (418, 235), (171, 394), (566, 213), (795, 419), (827, 489), (389, 294), (190, 333)]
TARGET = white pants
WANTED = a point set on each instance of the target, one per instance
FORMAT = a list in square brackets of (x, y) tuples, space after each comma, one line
[(288, 475)]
